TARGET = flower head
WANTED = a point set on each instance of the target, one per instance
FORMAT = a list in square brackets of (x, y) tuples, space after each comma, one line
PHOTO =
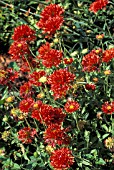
[(61, 159), (19, 49), (90, 86), (68, 60), (26, 135), (50, 57), (100, 36), (26, 104), (109, 143), (54, 134), (60, 81), (25, 90), (51, 19), (71, 106), (24, 32), (90, 62), (108, 55), (108, 108), (97, 5)]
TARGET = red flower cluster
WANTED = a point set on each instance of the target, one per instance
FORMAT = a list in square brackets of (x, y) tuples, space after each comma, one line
[(90, 61), (97, 5), (108, 55), (26, 104), (48, 115), (90, 86), (24, 32), (26, 135), (108, 108), (71, 106), (50, 57), (60, 82), (19, 49), (55, 135), (61, 159), (51, 19), (35, 76)]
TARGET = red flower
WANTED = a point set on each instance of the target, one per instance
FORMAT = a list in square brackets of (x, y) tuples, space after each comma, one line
[(46, 114), (97, 5), (35, 76), (55, 135), (26, 104), (19, 49), (108, 108), (26, 135), (25, 90), (61, 159), (68, 60), (90, 61), (51, 19), (60, 82), (108, 55), (71, 106), (24, 32), (90, 86), (50, 57)]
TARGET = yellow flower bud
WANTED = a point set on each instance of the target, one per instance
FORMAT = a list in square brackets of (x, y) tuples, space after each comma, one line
[(107, 72), (10, 99), (56, 40), (84, 51), (43, 79)]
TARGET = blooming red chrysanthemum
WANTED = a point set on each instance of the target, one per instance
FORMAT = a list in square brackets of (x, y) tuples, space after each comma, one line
[(19, 49), (26, 104), (60, 82), (48, 115), (71, 106), (51, 19), (54, 134), (90, 86), (108, 108), (90, 61), (23, 32), (68, 60), (25, 90), (97, 5), (35, 76), (61, 159), (26, 135), (108, 55), (50, 57)]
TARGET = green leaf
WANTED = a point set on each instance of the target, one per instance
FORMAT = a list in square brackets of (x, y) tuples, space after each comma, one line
[(100, 162), (14, 66), (86, 162), (16, 166)]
